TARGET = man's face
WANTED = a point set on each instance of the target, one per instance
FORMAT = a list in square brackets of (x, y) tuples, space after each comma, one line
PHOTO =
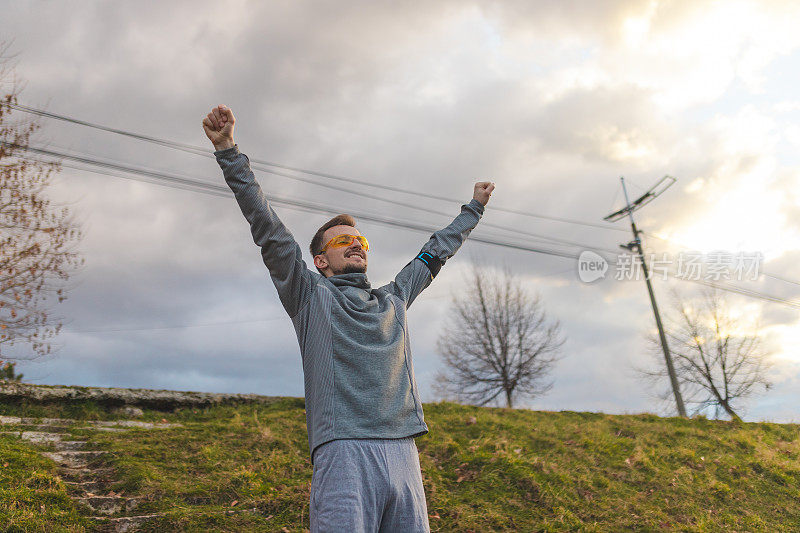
[(346, 259)]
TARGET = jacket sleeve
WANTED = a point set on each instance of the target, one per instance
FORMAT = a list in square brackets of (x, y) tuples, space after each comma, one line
[(419, 273), (281, 253)]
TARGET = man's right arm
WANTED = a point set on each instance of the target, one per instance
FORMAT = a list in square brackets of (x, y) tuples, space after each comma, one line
[(281, 253)]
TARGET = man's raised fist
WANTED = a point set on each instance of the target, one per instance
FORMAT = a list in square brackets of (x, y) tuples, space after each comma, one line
[(218, 126), (483, 190)]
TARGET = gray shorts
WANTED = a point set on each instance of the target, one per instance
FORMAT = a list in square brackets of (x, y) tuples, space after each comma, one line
[(368, 485)]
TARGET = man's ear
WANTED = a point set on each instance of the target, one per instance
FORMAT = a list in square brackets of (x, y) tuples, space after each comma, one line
[(321, 262)]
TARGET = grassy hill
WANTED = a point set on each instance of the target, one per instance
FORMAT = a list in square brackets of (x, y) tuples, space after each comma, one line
[(485, 469)]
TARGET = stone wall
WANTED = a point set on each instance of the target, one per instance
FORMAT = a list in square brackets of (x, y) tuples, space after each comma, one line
[(154, 399)]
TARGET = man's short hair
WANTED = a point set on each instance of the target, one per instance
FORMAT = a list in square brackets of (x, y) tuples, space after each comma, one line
[(338, 220)]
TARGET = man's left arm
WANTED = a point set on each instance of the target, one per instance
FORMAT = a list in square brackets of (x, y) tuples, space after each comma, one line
[(443, 244)]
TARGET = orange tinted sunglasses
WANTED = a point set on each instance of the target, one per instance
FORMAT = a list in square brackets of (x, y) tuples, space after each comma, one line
[(341, 241)]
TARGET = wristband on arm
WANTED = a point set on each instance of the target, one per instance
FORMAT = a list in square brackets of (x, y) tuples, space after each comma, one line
[(434, 264)]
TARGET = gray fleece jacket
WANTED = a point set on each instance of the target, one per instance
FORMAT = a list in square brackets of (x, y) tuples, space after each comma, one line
[(358, 375)]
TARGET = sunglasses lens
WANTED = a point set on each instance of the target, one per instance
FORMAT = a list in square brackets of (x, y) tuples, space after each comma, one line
[(341, 241)]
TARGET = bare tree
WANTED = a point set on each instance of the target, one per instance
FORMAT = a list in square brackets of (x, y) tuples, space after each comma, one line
[(498, 340), (36, 238), (719, 358)]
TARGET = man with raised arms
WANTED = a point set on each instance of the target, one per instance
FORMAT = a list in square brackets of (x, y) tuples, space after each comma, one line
[(363, 409)]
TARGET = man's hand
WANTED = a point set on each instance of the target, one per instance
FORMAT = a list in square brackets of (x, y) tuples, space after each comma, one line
[(483, 190), (218, 126)]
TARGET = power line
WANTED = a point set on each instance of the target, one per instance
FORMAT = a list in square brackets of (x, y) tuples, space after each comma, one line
[(160, 178), (205, 153), (686, 249), (177, 326), (314, 209), (203, 186), (745, 292), (219, 190), (363, 194), (537, 236)]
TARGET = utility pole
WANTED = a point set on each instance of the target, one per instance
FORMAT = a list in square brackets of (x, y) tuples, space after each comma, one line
[(662, 185)]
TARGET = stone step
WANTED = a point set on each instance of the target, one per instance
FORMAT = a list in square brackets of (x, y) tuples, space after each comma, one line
[(132, 424), (33, 435), (75, 459), (55, 439), (42, 436), (86, 424), (44, 428), (89, 487), (133, 523), (39, 437), (86, 474), (109, 504), (70, 445), (37, 421), (125, 523)]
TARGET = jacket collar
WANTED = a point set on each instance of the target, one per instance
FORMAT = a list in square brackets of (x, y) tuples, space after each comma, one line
[(353, 279)]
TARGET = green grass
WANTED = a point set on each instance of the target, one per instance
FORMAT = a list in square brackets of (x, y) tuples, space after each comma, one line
[(32, 496), (511, 470)]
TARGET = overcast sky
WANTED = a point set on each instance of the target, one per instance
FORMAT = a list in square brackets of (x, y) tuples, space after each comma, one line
[(553, 101)]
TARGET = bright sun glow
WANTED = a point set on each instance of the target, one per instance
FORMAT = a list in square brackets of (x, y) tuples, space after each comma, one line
[(787, 340)]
